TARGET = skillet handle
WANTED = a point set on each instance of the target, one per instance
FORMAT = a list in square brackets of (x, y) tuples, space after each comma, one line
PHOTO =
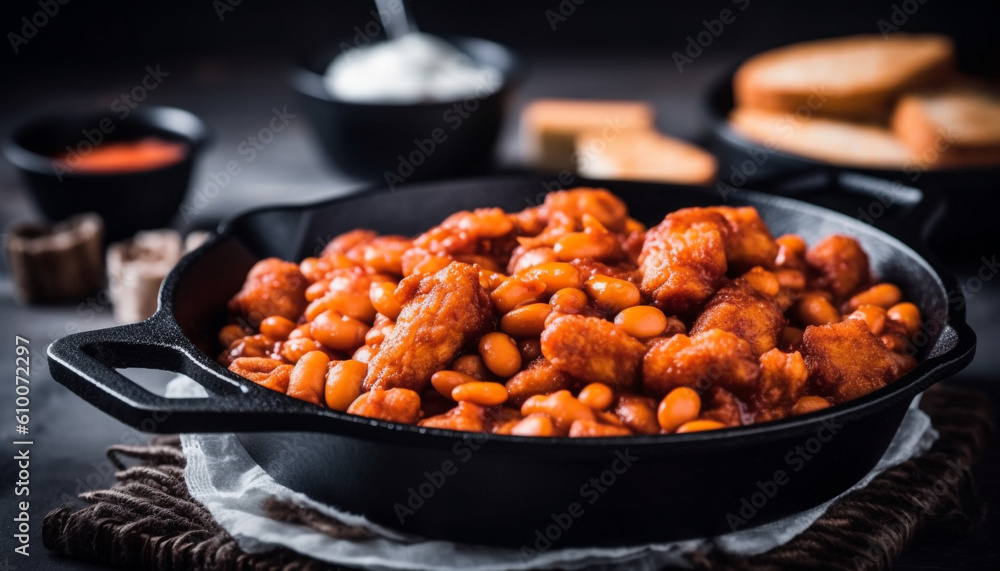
[(906, 212), (86, 362)]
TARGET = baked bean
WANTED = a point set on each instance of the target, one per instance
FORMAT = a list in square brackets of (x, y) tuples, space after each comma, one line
[(680, 406), (363, 354), (593, 429), (516, 290), (882, 295), (478, 392), (791, 279), (293, 349), (699, 426), (314, 269), (555, 276), (577, 245), (473, 366), (317, 290), (894, 341), (445, 382), (612, 294), (500, 354), (303, 331), (230, 333), (530, 349), (791, 251), (343, 383), (561, 406), (597, 396), (791, 337), (338, 332), (642, 321), (808, 404), (486, 223), (431, 265), (907, 315), (386, 255), (534, 425), (873, 315), (490, 280), (277, 327), (763, 281), (569, 300), (383, 298), (814, 309), (638, 413), (309, 377), (608, 417), (526, 320)]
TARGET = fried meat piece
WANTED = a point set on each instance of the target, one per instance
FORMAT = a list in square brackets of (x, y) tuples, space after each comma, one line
[(598, 202), (593, 350), (441, 313), (840, 264), (683, 259), (743, 311), (703, 360), (539, 378), (749, 242), (273, 287), (783, 378), (846, 361)]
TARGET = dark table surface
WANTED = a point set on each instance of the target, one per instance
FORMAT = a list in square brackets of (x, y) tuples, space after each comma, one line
[(70, 437)]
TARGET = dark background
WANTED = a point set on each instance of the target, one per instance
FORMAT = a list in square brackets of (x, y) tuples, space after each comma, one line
[(232, 73)]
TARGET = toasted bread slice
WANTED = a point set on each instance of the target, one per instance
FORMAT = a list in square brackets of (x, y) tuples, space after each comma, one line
[(851, 77), (643, 155), (549, 127), (953, 126), (827, 140)]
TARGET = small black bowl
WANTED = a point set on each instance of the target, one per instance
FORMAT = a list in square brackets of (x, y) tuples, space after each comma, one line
[(395, 143), (127, 201), (973, 194)]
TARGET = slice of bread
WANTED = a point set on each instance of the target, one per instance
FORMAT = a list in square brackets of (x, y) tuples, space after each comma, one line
[(826, 140), (850, 77), (549, 127), (643, 155), (953, 126)]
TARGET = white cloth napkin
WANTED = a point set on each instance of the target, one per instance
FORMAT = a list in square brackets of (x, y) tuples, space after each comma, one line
[(233, 487)]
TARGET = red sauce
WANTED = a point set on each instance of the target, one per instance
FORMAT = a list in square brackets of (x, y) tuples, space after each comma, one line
[(126, 156)]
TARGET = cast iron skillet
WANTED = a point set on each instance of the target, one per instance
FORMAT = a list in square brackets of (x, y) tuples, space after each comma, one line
[(502, 489), (973, 192)]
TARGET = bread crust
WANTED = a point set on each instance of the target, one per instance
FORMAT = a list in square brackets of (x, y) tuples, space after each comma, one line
[(854, 77)]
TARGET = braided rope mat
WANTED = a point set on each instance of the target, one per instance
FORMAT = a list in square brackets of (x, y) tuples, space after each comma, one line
[(149, 521)]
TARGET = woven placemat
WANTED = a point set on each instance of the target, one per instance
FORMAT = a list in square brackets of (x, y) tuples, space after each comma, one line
[(148, 520)]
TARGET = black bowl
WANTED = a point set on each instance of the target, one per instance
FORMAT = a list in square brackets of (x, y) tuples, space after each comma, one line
[(973, 193), (395, 143), (127, 201)]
